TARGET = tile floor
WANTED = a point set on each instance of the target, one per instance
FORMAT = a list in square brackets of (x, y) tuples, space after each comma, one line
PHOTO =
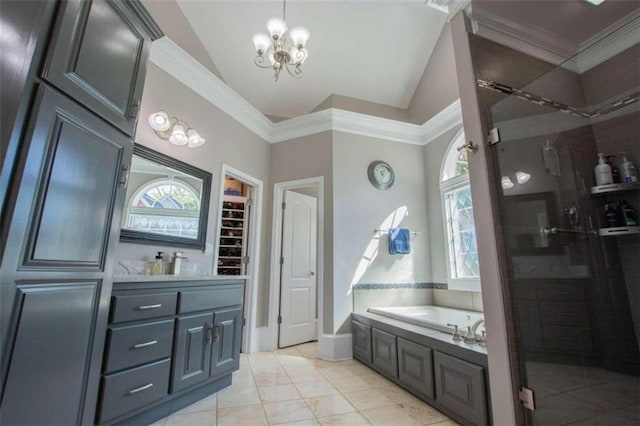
[(292, 386)]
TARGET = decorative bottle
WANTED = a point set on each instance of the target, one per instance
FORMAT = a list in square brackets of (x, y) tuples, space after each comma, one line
[(628, 171), (603, 171)]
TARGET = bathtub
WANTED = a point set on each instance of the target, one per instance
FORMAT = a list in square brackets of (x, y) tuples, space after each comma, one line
[(434, 317)]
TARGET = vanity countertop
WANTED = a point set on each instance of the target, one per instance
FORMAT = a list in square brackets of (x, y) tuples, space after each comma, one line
[(154, 278)]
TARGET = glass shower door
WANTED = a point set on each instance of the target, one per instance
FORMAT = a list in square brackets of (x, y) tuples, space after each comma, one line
[(572, 247)]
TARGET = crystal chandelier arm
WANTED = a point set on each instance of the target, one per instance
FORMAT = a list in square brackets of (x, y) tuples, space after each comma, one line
[(297, 71), (259, 61)]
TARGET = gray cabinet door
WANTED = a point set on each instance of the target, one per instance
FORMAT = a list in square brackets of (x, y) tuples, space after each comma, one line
[(98, 57), (385, 356), (361, 341), (65, 227), (460, 386), (192, 351), (51, 355), (415, 367), (227, 334)]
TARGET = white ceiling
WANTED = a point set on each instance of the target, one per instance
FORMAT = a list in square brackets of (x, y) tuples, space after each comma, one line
[(370, 50)]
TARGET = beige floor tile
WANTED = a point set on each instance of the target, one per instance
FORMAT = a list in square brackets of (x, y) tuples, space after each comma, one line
[(447, 423), (237, 397), (349, 419), (359, 369), (308, 422), (272, 379), (329, 405), (397, 394), (287, 411), (332, 372), (423, 412), (267, 366), (317, 388), (205, 404), (367, 399), (291, 350), (203, 418), (388, 416), (321, 363), (278, 393), (376, 380), (242, 382), (349, 384), (306, 376), (159, 422), (249, 415)]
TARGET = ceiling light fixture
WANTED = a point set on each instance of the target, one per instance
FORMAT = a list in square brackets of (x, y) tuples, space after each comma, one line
[(174, 130), (284, 49), (594, 2)]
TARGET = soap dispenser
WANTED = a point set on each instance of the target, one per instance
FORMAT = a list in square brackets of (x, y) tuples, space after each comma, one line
[(628, 171), (158, 264), (603, 171)]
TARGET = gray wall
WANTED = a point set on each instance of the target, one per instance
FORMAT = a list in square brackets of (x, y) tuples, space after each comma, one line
[(438, 87), (359, 256), (173, 23), (306, 157), (364, 107)]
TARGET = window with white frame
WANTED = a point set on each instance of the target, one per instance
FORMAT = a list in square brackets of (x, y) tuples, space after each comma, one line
[(165, 206), (460, 233)]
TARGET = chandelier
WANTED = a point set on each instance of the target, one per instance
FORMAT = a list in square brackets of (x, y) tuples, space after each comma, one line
[(174, 130), (284, 49)]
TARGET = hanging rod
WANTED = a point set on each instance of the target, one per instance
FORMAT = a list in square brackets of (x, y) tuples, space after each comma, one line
[(386, 231)]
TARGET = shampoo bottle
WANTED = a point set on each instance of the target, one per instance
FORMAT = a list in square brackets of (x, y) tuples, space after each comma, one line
[(628, 214), (603, 171), (628, 171)]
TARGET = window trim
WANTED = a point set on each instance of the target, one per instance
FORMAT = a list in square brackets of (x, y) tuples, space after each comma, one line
[(446, 186)]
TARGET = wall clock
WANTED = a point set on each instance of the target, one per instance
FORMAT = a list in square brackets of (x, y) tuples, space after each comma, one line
[(381, 175)]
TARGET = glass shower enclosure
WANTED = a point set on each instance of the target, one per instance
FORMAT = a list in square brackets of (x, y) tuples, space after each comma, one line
[(572, 247)]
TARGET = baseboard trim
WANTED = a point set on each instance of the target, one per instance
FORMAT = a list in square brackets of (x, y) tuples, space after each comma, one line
[(335, 347)]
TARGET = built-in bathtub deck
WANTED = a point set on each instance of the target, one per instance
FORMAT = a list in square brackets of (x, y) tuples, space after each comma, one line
[(436, 317)]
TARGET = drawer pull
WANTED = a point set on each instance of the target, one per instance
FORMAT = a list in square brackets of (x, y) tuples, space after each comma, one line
[(147, 307), (145, 344), (140, 389)]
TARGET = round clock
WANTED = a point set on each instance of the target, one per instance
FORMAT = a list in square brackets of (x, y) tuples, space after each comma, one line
[(381, 175)]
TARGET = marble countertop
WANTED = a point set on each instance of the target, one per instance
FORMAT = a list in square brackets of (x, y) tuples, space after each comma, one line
[(152, 278)]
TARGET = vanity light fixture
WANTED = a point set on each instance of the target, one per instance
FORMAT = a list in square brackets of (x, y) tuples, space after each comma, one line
[(522, 177), (175, 131)]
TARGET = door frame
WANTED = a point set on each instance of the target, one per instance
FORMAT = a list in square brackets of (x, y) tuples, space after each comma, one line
[(504, 383), (250, 337), (279, 190)]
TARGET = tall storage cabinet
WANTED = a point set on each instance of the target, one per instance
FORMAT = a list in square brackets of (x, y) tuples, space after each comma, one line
[(67, 196), (233, 236)]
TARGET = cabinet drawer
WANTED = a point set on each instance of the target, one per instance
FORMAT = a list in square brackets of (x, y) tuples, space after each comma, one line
[(142, 306), (200, 300), (131, 389), (361, 341), (137, 344)]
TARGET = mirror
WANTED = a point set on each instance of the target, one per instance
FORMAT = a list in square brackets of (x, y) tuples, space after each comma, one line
[(167, 201)]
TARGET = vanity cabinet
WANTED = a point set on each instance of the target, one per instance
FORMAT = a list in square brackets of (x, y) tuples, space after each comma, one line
[(460, 386), (98, 57), (361, 342), (168, 344), (61, 223), (385, 353), (450, 376)]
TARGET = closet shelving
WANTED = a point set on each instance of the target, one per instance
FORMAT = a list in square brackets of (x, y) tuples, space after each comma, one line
[(233, 227)]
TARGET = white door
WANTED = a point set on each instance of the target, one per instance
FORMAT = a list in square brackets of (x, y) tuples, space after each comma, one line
[(298, 285)]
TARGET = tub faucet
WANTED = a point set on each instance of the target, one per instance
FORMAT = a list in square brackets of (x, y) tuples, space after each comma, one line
[(475, 326)]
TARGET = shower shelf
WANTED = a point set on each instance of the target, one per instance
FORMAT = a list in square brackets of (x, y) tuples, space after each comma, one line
[(614, 187), (619, 230)]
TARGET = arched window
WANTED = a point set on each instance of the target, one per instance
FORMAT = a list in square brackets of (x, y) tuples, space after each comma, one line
[(164, 206), (462, 253)]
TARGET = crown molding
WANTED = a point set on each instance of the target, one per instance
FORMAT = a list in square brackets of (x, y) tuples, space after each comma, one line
[(522, 36), (184, 68), (549, 47), (609, 42)]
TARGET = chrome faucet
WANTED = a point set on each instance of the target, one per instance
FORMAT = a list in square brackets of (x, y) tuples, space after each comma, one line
[(475, 326)]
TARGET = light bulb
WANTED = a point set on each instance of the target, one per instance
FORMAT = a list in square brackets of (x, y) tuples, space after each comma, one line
[(522, 177), (299, 35), (261, 42), (277, 27), (195, 139), (178, 135), (159, 121), (507, 183)]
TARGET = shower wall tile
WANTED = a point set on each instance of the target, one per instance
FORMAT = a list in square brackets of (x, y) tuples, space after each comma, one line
[(456, 299)]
